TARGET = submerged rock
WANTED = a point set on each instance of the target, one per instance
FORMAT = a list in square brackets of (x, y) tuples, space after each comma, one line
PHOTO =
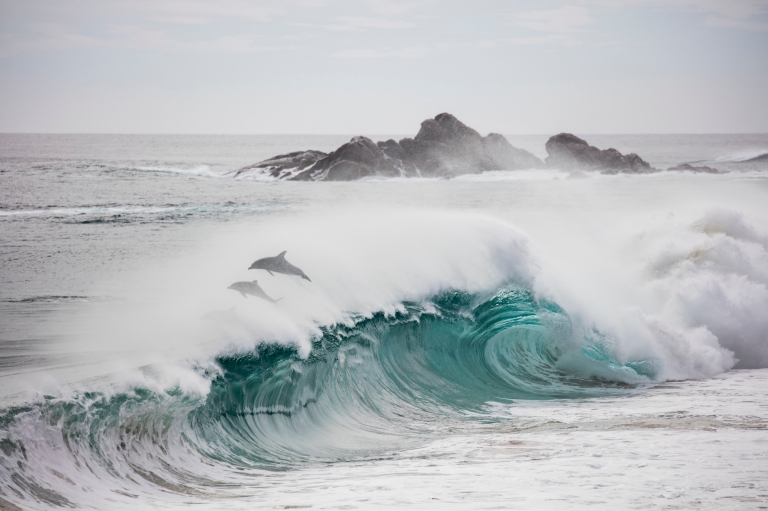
[(443, 147), (567, 151), (690, 168)]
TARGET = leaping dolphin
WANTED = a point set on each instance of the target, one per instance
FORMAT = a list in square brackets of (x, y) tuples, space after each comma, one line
[(278, 264), (253, 289)]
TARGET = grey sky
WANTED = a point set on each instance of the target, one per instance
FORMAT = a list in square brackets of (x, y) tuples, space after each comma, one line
[(382, 66)]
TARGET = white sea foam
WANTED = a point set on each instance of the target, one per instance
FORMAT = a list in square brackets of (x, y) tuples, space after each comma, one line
[(716, 278), (690, 295)]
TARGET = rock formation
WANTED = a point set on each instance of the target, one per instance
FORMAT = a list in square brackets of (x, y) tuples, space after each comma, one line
[(284, 166), (444, 147), (358, 158), (568, 151)]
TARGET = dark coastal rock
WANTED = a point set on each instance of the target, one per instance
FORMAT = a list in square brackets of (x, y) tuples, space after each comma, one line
[(444, 147), (690, 168), (503, 155), (284, 166), (757, 159), (394, 151), (358, 158), (567, 151)]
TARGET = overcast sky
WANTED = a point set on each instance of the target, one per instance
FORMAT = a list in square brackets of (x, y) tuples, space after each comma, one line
[(382, 66)]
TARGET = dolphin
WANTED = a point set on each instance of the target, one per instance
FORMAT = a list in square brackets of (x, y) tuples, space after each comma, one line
[(253, 289), (278, 264)]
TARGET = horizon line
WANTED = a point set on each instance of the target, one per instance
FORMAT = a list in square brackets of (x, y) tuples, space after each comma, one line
[(354, 135)]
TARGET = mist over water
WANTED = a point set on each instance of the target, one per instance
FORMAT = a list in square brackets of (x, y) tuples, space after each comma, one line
[(463, 324)]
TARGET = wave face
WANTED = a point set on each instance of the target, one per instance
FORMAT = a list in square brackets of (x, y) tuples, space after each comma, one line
[(379, 383), (433, 360)]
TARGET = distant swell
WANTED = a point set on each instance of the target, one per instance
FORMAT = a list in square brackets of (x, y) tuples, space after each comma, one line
[(58, 299), (101, 214)]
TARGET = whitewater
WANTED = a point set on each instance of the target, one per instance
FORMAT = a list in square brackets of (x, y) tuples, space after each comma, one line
[(538, 339)]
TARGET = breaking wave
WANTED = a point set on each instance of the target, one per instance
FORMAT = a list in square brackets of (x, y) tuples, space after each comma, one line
[(399, 341), (380, 383)]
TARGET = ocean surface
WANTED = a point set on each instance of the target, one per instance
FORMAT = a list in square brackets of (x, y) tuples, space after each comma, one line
[(535, 339)]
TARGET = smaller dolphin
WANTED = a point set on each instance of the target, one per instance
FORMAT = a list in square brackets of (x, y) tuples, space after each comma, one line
[(278, 264), (253, 289)]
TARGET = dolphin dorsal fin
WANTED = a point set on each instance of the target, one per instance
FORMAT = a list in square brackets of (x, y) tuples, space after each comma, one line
[(281, 255), (254, 282)]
